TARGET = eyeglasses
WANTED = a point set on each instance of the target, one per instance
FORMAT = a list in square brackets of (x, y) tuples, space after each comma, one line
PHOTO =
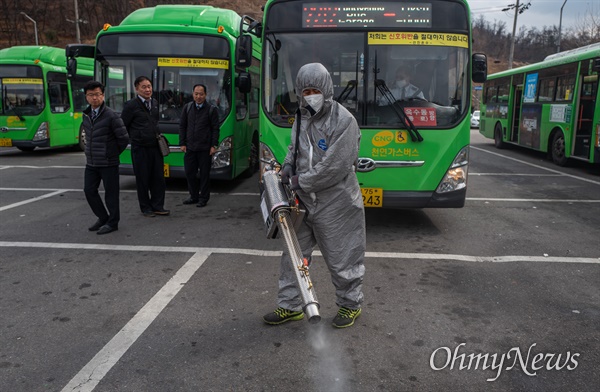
[(94, 95)]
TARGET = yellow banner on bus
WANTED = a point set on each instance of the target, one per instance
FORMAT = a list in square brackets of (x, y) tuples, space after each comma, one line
[(419, 39), (22, 81), (193, 63)]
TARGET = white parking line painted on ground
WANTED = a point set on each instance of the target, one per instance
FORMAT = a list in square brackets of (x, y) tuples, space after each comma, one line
[(534, 200), (41, 167), (95, 370), (271, 253), (57, 192), (258, 194), (537, 166)]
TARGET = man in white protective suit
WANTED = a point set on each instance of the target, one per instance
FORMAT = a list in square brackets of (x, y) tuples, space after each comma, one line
[(322, 171), (402, 88)]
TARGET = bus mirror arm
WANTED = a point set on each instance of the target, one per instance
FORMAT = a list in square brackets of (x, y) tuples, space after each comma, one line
[(404, 120)]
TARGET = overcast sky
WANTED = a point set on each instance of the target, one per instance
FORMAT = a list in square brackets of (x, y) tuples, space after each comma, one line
[(541, 12)]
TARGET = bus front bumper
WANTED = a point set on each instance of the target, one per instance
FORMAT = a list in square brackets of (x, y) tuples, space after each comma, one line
[(31, 143), (399, 199)]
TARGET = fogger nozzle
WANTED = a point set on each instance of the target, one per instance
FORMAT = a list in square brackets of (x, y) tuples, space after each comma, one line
[(312, 312)]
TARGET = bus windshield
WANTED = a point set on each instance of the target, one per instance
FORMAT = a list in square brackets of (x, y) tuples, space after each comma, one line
[(174, 68), (22, 90), (438, 75)]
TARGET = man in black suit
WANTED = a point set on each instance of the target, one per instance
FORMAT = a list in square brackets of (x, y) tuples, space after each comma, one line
[(106, 138), (140, 116)]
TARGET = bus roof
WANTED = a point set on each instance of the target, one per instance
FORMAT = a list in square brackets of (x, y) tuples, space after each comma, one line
[(46, 55), (583, 53), (185, 15)]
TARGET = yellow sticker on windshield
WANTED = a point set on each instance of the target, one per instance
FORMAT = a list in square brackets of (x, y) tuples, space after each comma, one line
[(419, 39), (21, 81), (193, 63)]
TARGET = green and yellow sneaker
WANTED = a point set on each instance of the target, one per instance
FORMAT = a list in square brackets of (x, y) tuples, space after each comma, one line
[(281, 315), (345, 317)]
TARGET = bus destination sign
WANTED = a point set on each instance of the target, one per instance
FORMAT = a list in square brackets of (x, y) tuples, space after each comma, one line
[(366, 14)]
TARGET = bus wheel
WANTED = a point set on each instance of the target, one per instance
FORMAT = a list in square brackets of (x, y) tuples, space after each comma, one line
[(558, 149), (498, 142), (253, 163), (26, 149), (81, 143)]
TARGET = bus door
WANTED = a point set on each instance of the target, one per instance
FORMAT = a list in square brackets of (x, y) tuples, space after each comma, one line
[(516, 114), (62, 128), (585, 117)]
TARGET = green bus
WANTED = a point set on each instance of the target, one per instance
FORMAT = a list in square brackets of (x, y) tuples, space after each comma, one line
[(552, 106), (414, 150), (178, 46), (39, 106)]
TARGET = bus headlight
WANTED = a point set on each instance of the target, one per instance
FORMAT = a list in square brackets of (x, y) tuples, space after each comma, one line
[(42, 132), (456, 176), (222, 157)]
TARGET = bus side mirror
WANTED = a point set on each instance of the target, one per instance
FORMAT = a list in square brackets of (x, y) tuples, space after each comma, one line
[(71, 67), (243, 51), (479, 64), (243, 82)]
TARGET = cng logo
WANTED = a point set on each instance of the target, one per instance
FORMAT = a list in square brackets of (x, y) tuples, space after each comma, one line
[(382, 138)]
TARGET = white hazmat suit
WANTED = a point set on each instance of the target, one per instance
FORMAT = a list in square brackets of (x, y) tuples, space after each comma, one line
[(325, 165)]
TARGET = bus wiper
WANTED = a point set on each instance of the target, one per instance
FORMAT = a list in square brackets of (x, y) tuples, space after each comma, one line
[(347, 90), (404, 120), (18, 113)]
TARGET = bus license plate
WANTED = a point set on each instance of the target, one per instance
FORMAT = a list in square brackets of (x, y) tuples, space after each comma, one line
[(4, 142), (372, 197), (166, 171)]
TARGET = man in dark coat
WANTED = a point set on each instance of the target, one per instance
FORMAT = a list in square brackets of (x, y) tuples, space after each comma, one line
[(140, 116), (198, 139), (105, 139)]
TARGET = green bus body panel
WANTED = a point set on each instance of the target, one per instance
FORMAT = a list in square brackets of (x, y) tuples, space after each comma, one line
[(63, 127), (503, 114)]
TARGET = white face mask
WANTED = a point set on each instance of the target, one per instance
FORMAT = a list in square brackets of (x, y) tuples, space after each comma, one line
[(401, 83), (315, 101)]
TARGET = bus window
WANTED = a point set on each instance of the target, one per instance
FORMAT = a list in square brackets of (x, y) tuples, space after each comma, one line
[(565, 87), (58, 92), (546, 89)]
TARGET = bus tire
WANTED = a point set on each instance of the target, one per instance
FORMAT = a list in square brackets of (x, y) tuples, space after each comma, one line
[(26, 149), (81, 143), (557, 149), (498, 142), (253, 159)]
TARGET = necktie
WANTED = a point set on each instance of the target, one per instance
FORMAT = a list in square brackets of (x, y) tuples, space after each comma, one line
[(147, 102), (94, 115)]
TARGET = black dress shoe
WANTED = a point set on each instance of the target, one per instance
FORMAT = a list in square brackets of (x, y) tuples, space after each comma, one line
[(201, 204), (107, 229), (190, 201), (162, 212), (149, 214), (99, 223)]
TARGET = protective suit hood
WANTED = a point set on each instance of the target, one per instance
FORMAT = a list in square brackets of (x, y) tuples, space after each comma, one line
[(315, 75)]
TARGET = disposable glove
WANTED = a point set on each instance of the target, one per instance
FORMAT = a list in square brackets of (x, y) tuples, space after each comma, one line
[(286, 172)]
